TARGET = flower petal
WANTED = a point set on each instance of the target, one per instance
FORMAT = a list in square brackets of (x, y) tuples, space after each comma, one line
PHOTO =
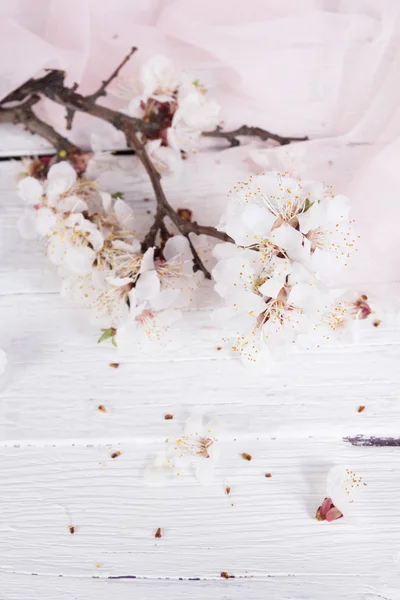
[(164, 299), (148, 285), (118, 281), (177, 246), (30, 190), (147, 263), (26, 224), (45, 221), (60, 179), (72, 204), (79, 259), (62, 170), (204, 470), (124, 214), (96, 239)]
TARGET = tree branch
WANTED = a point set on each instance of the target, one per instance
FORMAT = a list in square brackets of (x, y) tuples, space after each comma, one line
[(263, 134), (52, 86), (23, 114), (102, 89), (150, 238), (198, 264), (165, 209)]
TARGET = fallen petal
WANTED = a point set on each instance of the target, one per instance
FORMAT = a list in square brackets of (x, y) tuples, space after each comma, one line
[(328, 511)]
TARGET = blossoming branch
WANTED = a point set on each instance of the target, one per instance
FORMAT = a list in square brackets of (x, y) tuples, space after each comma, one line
[(283, 240)]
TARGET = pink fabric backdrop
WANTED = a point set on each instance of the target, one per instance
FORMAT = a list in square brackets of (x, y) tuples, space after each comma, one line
[(325, 68)]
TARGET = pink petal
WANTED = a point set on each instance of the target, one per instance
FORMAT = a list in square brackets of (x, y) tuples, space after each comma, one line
[(333, 514), (328, 511)]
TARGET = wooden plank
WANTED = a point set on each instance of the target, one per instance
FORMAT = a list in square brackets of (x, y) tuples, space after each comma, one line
[(58, 375), (265, 526), (305, 587)]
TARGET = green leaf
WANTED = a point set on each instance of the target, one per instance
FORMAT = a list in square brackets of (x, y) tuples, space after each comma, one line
[(107, 334), (196, 83), (116, 195), (307, 205), (114, 343)]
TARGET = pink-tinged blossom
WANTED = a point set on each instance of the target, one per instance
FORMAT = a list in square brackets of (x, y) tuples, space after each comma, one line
[(343, 489), (176, 104)]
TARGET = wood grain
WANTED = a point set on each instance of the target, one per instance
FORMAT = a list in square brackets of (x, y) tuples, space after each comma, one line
[(264, 527)]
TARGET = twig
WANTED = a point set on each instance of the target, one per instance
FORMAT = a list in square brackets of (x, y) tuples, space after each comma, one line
[(150, 237), (244, 130), (52, 86), (70, 113), (102, 89), (198, 264), (24, 115), (165, 209)]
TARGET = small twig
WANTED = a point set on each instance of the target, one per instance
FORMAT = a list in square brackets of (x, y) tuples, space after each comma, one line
[(70, 113), (150, 238), (24, 115), (244, 130), (102, 89), (198, 264), (165, 209), (52, 86), (164, 233)]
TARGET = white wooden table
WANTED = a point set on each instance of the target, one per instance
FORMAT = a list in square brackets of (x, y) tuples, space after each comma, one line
[(56, 469)]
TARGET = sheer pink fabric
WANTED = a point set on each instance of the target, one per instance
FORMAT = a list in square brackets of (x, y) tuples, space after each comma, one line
[(325, 68)]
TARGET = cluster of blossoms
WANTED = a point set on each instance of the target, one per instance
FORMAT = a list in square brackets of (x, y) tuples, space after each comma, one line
[(292, 239), (278, 279), (91, 237), (176, 104)]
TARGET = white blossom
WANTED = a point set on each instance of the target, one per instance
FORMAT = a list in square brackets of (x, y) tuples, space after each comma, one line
[(103, 160), (166, 159), (163, 288), (170, 281), (195, 110), (338, 317), (175, 103), (196, 450), (105, 296), (74, 242), (158, 81), (60, 193), (303, 219), (267, 303), (106, 287), (144, 324)]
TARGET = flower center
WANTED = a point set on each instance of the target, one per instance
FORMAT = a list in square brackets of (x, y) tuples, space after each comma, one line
[(361, 309), (194, 445)]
